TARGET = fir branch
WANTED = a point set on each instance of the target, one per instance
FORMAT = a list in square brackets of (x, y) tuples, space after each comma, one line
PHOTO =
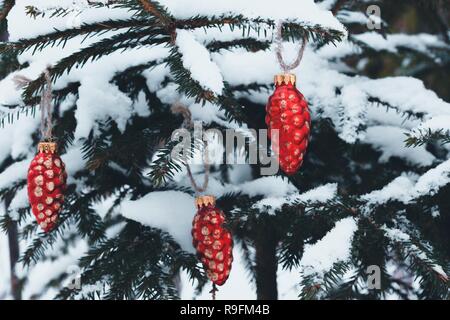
[(131, 39), (192, 88), (407, 114), (164, 167), (156, 10), (427, 136), (60, 37), (249, 44), (292, 30), (433, 284), (6, 8), (135, 264), (315, 286), (58, 11), (8, 118)]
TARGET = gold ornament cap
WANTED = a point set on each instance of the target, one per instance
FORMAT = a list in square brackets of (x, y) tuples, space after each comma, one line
[(47, 147), (285, 78), (203, 201)]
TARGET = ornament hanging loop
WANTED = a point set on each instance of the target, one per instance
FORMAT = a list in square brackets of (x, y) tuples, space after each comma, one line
[(279, 50), (46, 127), (46, 108), (187, 123)]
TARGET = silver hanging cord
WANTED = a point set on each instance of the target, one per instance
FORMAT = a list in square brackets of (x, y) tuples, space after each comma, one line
[(46, 108), (187, 123), (279, 50), (46, 127)]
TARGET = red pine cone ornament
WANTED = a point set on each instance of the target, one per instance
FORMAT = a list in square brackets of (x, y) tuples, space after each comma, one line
[(287, 111), (46, 185), (213, 242)]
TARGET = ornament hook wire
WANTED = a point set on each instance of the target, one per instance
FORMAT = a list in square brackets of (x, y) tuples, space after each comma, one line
[(46, 126), (187, 123), (46, 108), (279, 50)]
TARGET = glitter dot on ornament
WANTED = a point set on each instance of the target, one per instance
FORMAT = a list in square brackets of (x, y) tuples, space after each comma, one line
[(205, 231), (219, 256), (48, 163), (208, 254), (50, 186), (214, 276), (39, 180), (207, 240), (217, 245), (49, 173), (38, 192)]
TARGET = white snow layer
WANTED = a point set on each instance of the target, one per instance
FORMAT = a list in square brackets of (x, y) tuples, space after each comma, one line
[(435, 124), (406, 188), (399, 235), (80, 14), (419, 42), (237, 287), (197, 60), (390, 141), (308, 12), (170, 211), (4, 263), (332, 248), (274, 202)]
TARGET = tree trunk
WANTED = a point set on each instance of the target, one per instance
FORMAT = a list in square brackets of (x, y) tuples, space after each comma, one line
[(13, 234), (13, 237), (266, 264)]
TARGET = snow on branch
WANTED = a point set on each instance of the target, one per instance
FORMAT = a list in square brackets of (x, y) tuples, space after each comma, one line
[(407, 94), (77, 15), (197, 60), (275, 202), (400, 236), (390, 141), (332, 248), (159, 210), (408, 188), (309, 13), (423, 43), (437, 128)]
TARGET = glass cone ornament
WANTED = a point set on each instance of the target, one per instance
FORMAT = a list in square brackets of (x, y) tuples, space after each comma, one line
[(287, 111), (213, 242), (46, 184)]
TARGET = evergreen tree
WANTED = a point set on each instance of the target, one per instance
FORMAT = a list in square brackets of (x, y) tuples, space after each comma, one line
[(372, 191)]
